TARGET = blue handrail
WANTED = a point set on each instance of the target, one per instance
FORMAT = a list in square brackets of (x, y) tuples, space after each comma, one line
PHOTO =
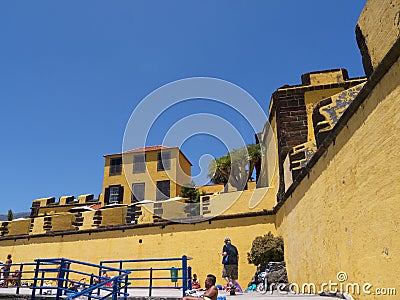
[(63, 272), (184, 269), (115, 286)]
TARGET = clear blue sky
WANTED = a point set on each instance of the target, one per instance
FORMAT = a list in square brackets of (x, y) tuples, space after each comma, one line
[(71, 73)]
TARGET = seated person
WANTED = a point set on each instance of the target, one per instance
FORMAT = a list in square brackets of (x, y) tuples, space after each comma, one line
[(211, 292), (14, 278), (77, 285), (104, 276), (195, 282)]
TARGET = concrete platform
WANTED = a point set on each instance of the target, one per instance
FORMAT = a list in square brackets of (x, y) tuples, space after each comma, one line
[(167, 294)]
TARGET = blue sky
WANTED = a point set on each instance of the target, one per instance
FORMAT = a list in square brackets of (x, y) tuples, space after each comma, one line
[(72, 72)]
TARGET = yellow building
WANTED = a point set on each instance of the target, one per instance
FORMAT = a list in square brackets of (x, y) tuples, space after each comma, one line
[(151, 173)]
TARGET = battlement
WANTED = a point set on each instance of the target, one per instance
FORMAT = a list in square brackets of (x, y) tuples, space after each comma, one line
[(325, 77), (292, 109), (48, 205), (71, 215)]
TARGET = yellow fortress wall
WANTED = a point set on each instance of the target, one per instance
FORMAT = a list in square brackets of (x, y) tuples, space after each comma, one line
[(202, 241), (344, 214), (344, 217), (377, 30)]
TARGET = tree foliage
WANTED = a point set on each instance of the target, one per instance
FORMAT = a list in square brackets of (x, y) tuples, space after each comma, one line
[(235, 167), (189, 191), (265, 249), (10, 215)]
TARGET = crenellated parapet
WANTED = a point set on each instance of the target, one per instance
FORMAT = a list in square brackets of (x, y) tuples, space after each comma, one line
[(325, 115), (46, 206), (301, 155), (328, 111), (4, 228), (291, 112)]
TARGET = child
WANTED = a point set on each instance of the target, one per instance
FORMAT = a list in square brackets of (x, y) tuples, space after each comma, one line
[(195, 282)]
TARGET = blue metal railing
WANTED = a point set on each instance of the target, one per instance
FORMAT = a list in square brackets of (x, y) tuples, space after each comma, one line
[(156, 275), (19, 276), (61, 270)]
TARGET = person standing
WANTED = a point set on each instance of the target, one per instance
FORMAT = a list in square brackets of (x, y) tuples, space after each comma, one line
[(6, 269), (231, 259)]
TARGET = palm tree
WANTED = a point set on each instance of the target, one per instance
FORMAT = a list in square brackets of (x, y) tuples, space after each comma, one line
[(236, 166), (219, 170), (255, 155)]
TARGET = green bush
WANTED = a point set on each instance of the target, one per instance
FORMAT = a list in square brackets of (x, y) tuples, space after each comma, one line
[(189, 191), (10, 215), (265, 249)]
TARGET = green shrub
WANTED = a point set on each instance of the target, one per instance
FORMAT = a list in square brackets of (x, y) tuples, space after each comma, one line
[(189, 191), (265, 249), (10, 215)]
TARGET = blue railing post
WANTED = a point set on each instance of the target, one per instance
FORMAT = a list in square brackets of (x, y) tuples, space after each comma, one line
[(151, 281), (90, 284), (115, 290), (35, 279), (100, 272), (66, 277), (60, 278), (126, 286), (41, 283), (184, 275), (21, 266), (119, 273), (120, 267), (189, 278)]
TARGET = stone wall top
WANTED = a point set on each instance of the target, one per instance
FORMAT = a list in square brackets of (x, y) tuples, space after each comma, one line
[(377, 30)]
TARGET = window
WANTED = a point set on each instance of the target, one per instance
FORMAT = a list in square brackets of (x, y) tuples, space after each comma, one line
[(114, 194), (163, 190), (164, 161), (115, 166), (139, 163), (138, 191)]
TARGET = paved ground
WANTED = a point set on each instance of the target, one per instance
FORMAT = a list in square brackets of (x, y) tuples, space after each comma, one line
[(170, 294)]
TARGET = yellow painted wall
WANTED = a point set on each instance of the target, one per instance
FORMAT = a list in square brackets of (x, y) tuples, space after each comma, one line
[(380, 25), (113, 216), (42, 209), (115, 180), (219, 188), (62, 222), (344, 217), (201, 241), (210, 189), (255, 200), (49, 210), (87, 220), (243, 201), (37, 227), (311, 99), (319, 78), (19, 227), (183, 171), (269, 163)]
